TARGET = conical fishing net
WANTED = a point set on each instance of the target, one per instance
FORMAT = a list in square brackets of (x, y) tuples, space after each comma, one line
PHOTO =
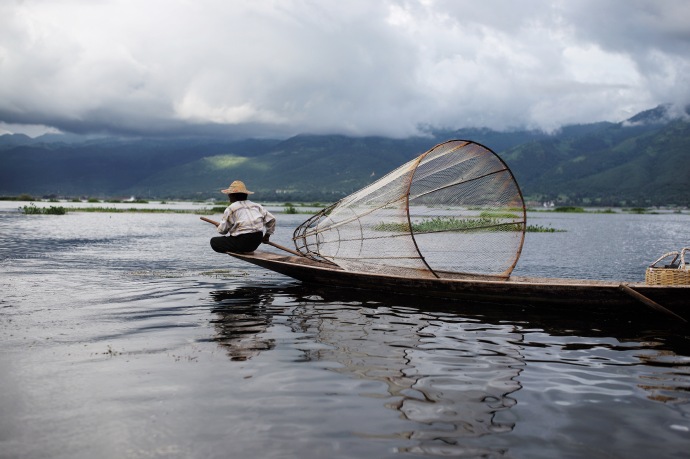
[(454, 211)]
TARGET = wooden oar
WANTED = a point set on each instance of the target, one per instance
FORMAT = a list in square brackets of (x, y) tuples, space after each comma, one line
[(649, 302), (213, 222), (277, 246)]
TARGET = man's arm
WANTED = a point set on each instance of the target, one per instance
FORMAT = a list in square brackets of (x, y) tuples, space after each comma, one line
[(270, 224), (225, 223)]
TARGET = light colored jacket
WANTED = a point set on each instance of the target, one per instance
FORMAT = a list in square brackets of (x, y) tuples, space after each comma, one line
[(242, 217)]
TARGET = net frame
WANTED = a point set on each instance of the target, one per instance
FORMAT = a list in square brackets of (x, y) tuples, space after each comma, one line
[(454, 174)]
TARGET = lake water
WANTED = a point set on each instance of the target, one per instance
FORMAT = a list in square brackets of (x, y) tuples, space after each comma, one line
[(125, 336)]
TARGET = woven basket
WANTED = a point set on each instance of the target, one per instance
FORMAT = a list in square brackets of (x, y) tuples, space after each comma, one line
[(658, 275)]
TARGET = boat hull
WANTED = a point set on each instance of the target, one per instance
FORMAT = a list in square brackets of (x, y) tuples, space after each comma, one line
[(515, 290)]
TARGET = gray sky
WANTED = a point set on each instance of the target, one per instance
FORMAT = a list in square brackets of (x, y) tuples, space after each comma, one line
[(356, 67)]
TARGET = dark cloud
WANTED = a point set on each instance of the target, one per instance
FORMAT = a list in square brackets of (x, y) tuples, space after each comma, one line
[(360, 67)]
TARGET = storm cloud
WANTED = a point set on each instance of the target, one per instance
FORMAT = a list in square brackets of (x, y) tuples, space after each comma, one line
[(361, 67)]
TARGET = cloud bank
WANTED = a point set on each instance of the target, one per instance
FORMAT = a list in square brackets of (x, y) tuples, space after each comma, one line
[(361, 67)]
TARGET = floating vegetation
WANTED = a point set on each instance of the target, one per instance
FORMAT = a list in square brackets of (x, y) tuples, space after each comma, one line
[(569, 209), (135, 209), (111, 352), (464, 224), (437, 224), (604, 211), (392, 227), (494, 214), (639, 210), (542, 229), (32, 209), (21, 197), (290, 208), (506, 209)]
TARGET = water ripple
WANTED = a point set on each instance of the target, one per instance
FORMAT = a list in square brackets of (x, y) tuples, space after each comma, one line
[(189, 353)]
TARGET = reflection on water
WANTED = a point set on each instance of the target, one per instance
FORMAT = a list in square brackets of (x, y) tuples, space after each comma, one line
[(242, 316), (449, 376), (455, 372), (670, 384)]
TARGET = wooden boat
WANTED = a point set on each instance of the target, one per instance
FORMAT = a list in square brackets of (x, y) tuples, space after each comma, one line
[(674, 299), (448, 224)]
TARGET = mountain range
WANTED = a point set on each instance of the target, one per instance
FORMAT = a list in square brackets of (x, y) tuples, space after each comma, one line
[(643, 161)]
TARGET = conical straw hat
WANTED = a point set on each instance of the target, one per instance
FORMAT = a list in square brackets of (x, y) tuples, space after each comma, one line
[(237, 187)]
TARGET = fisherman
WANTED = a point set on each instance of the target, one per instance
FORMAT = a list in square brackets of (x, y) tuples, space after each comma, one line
[(243, 222)]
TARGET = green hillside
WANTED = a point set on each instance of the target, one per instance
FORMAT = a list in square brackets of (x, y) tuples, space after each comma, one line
[(303, 167), (614, 165), (643, 162)]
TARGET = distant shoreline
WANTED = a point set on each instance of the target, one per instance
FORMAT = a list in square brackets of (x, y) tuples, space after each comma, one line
[(209, 208)]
